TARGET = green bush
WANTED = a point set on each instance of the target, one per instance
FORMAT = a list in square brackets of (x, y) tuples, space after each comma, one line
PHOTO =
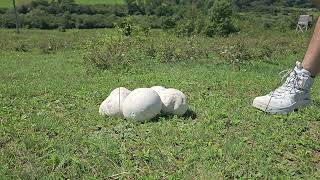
[(192, 25), (92, 21), (216, 20), (110, 52), (3, 10), (168, 22), (127, 26), (7, 21), (185, 27), (220, 19), (164, 10)]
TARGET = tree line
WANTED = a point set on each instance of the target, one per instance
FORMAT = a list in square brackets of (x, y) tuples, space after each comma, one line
[(210, 17)]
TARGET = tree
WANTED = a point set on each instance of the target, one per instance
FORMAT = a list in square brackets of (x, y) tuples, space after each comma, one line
[(16, 14)]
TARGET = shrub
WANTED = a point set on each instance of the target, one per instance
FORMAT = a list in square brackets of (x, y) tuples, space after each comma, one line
[(136, 7), (185, 27), (3, 10), (7, 21), (92, 21), (168, 23), (220, 19), (127, 26), (109, 52), (164, 10)]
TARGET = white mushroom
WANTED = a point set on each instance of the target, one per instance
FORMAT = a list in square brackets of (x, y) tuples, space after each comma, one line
[(112, 105), (174, 102), (142, 104), (158, 89)]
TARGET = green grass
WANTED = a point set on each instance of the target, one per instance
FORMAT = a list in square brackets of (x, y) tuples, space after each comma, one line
[(50, 127), (8, 3)]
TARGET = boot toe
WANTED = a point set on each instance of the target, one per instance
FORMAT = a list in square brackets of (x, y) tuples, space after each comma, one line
[(261, 102)]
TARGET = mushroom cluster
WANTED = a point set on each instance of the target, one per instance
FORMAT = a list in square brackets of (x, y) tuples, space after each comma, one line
[(143, 104)]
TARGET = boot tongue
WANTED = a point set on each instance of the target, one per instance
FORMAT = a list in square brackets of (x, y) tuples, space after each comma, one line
[(305, 80)]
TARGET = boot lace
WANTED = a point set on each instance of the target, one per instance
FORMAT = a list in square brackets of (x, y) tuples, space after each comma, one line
[(290, 86)]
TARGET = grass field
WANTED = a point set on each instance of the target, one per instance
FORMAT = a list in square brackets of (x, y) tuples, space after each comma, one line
[(50, 126), (8, 3)]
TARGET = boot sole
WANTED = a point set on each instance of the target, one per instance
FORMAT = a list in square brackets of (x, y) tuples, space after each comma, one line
[(287, 110)]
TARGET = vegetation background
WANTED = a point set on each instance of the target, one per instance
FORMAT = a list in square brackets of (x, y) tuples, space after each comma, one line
[(71, 54), (8, 3)]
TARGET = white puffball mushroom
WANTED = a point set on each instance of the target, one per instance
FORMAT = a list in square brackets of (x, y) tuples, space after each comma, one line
[(158, 89), (174, 102), (111, 106), (142, 104)]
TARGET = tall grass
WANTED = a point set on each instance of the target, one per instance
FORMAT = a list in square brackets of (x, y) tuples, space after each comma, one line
[(237, 49)]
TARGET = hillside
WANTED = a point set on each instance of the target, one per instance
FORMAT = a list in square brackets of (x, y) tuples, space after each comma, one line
[(8, 3)]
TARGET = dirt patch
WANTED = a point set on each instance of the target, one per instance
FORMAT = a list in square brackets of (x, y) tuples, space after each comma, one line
[(314, 130)]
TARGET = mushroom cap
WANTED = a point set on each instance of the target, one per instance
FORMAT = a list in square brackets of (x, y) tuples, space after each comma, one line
[(142, 104), (174, 102), (112, 105), (158, 89)]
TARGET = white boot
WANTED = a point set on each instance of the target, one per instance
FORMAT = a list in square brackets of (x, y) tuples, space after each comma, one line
[(292, 95)]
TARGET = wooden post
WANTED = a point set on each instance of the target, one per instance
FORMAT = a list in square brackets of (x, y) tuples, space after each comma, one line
[(16, 13)]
